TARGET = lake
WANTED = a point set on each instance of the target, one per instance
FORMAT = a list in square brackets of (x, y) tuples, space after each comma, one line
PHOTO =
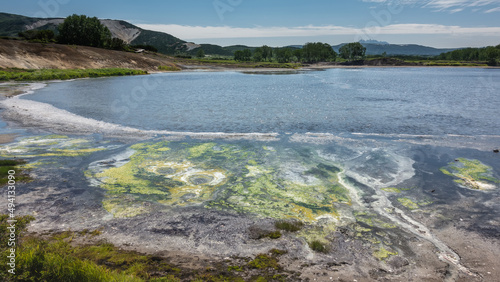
[(428, 101)]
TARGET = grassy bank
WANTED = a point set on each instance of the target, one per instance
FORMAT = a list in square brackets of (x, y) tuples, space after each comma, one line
[(236, 64), (57, 258), (62, 74)]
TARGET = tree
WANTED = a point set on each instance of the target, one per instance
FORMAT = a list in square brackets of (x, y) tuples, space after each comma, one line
[(318, 52), (267, 52), (352, 51), (200, 54), (284, 55), (298, 54), (257, 54), (116, 44), (82, 30), (38, 35), (243, 55)]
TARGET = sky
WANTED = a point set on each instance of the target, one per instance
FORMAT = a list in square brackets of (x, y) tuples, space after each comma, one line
[(435, 23)]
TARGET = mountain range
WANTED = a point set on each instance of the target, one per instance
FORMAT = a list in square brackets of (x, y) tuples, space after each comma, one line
[(11, 25)]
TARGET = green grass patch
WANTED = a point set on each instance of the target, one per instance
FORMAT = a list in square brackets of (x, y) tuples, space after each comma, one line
[(318, 246), (264, 261), (12, 165), (290, 226), (55, 258), (63, 74), (169, 68), (271, 235), (234, 268), (234, 63)]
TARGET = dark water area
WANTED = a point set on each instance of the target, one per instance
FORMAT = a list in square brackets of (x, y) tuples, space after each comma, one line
[(433, 101)]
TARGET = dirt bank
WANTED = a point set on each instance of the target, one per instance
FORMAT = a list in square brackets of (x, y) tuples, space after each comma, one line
[(27, 55)]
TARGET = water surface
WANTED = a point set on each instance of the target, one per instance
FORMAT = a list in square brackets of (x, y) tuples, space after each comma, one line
[(432, 101)]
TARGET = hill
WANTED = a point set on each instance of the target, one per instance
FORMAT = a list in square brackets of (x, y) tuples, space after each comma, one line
[(11, 25), (395, 49), (28, 55)]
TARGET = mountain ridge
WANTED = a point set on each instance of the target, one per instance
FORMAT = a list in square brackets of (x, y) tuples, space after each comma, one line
[(11, 25)]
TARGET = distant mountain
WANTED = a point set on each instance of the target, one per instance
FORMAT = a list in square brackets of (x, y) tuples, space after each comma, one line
[(371, 41), (11, 25), (395, 49)]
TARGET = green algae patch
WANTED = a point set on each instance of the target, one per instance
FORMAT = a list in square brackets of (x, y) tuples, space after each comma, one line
[(49, 146), (382, 253), (155, 173), (391, 190), (284, 184), (408, 203), (471, 174), (197, 151)]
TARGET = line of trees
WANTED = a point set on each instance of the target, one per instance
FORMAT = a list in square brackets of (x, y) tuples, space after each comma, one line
[(310, 53), (490, 54)]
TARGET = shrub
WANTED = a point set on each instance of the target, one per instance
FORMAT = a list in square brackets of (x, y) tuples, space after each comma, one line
[(290, 226), (318, 246), (264, 261)]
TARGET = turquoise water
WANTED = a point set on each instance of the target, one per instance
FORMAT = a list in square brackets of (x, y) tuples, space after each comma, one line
[(367, 100)]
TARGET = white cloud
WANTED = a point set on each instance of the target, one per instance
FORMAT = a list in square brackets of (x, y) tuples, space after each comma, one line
[(492, 10), (202, 32), (452, 6)]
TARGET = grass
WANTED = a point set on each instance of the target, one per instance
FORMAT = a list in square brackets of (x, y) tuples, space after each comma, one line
[(6, 166), (290, 226), (63, 74), (318, 246), (270, 235), (55, 258), (169, 68), (239, 64), (264, 261)]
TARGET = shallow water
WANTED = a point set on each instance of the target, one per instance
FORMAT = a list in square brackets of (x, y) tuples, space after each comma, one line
[(432, 101), (393, 156)]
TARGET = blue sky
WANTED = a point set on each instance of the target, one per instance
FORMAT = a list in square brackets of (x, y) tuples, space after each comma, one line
[(437, 23)]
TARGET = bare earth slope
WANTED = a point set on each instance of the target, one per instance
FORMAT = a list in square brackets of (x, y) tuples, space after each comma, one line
[(26, 55)]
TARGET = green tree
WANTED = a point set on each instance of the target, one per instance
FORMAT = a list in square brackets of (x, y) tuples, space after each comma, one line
[(318, 52), (284, 55), (298, 54), (257, 55), (38, 35), (116, 44), (200, 54), (488, 54), (267, 53), (243, 55), (82, 30), (352, 51)]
